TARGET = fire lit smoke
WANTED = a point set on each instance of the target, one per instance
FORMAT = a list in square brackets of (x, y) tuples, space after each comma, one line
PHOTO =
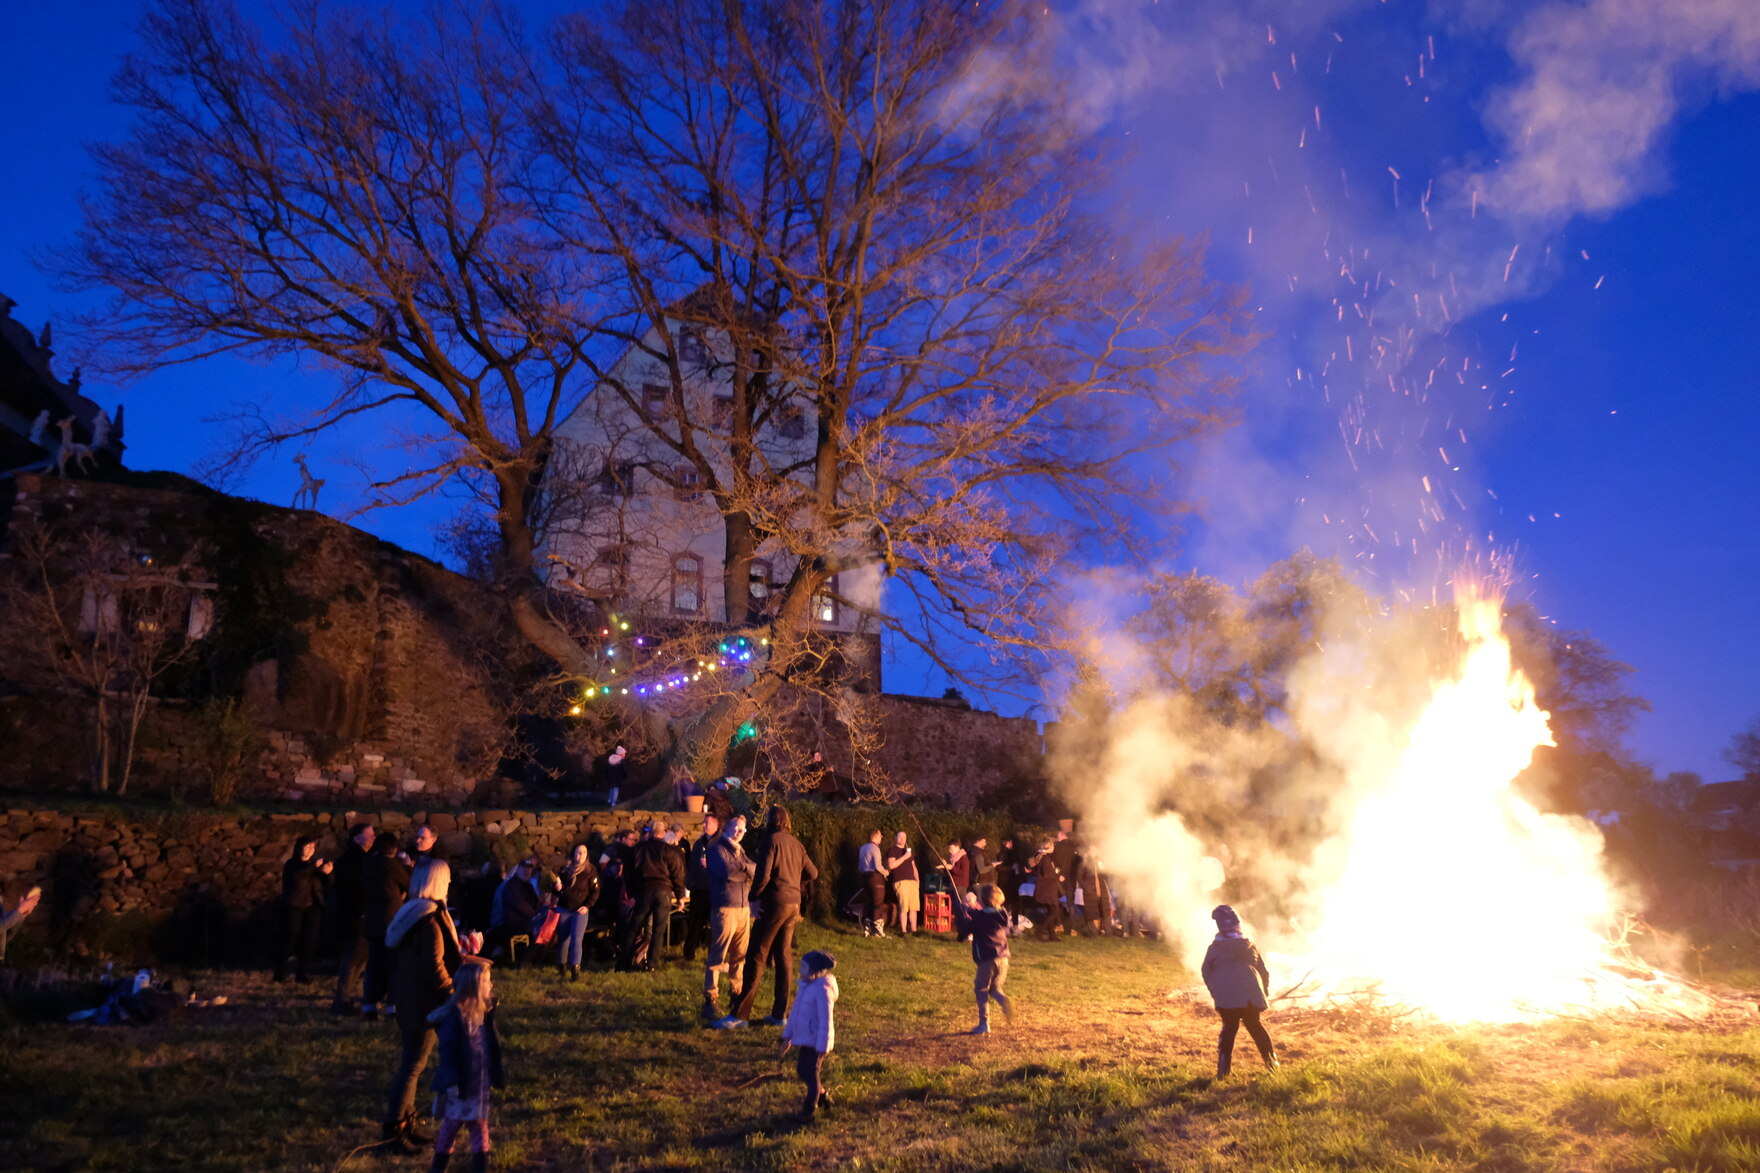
[(1429, 881)]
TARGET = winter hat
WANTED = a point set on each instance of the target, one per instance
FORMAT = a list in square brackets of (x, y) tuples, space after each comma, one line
[(1225, 917), (819, 961)]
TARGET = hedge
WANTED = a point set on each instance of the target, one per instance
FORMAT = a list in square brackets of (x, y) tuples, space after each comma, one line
[(833, 834)]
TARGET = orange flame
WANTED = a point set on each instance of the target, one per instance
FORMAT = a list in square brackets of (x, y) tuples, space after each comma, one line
[(1457, 896)]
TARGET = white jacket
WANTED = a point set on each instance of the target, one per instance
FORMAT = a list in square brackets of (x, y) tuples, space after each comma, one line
[(809, 1019)]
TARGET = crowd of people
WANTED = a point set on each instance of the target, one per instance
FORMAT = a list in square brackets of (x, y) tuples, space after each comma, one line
[(403, 953), (1051, 886)]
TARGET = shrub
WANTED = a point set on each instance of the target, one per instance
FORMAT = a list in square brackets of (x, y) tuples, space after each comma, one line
[(227, 741)]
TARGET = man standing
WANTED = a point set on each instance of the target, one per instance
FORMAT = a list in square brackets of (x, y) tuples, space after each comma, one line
[(1063, 852), (348, 889), (696, 882), (385, 881), (730, 921), (783, 870), (873, 870), (659, 872), (983, 867), (427, 845)]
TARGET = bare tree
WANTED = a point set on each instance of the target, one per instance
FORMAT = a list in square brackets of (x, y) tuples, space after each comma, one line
[(878, 229), (349, 189), (862, 221), (107, 622)]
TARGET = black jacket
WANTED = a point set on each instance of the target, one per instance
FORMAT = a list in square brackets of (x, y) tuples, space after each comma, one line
[(302, 884), (580, 889), (983, 867), (425, 947), (660, 864), (783, 870), (384, 884), (349, 882), (696, 871)]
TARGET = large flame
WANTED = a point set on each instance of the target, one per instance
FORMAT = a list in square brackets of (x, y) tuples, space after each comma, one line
[(1457, 896)]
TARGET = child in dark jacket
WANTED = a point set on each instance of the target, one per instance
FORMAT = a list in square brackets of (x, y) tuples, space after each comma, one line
[(1236, 976), (987, 924), (470, 1064)]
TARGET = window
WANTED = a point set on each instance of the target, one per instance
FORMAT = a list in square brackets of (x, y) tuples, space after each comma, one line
[(794, 424), (690, 347), (687, 584), (760, 579), (613, 562), (201, 614), (654, 397), (825, 602), (618, 478), (687, 484)]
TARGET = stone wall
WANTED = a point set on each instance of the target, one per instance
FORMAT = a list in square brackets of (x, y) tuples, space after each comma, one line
[(954, 755), (184, 879), (377, 675)]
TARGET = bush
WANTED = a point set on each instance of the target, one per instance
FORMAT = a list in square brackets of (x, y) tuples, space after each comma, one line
[(833, 835), (227, 742)]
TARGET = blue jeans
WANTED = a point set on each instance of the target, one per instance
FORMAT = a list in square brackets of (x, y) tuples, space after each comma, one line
[(571, 930)]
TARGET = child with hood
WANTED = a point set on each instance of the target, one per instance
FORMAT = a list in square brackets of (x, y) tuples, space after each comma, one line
[(470, 1064), (1238, 980), (810, 1027)]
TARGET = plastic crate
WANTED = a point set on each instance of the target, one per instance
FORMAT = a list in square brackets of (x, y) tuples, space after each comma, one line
[(938, 912)]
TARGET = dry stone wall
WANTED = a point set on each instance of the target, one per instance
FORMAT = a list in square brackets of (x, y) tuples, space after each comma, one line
[(176, 878)]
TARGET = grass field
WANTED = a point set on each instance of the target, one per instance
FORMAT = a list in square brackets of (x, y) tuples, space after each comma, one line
[(1101, 1070)]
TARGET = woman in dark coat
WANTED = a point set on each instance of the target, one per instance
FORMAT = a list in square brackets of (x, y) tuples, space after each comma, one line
[(303, 882), (425, 951), (577, 893), (385, 883)]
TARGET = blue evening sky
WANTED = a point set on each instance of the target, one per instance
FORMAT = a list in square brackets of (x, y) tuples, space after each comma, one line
[(1557, 370)]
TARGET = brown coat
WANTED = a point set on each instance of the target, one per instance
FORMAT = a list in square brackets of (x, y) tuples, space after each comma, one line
[(424, 949)]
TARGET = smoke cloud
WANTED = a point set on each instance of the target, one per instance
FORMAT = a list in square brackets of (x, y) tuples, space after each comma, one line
[(1602, 84)]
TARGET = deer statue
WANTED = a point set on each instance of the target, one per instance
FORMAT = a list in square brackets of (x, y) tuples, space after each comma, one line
[(70, 452), (308, 485)]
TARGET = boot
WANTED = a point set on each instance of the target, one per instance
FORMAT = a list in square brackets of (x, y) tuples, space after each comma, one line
[(710, 1011), (441, 1160), (1224, 1062), (395, 1142), (479, 1163), (574, 973), (1270, 1057)]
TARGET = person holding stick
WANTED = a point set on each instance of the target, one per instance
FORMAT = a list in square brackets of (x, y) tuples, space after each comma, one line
[(980, 916)]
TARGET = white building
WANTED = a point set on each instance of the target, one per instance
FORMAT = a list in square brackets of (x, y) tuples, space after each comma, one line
[(635, 527)]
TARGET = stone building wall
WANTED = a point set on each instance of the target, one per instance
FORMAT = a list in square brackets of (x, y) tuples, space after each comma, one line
[(164, 873), (953, 755), (366, 665)]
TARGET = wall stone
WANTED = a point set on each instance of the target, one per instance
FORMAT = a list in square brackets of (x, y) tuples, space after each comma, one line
[(368, 665), (98, 866)]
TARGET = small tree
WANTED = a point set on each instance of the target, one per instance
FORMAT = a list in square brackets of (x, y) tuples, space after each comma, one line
[(228, 739), (1744, 750), (107, 621)]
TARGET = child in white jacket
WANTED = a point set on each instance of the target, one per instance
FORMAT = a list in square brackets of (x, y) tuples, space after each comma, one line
[(810, 1027)]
